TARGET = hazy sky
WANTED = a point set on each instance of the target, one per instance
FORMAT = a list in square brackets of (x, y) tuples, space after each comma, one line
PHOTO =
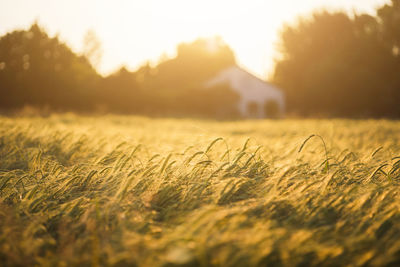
[(134, 31)]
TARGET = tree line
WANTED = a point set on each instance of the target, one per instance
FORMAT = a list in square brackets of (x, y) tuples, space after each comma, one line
[(336, 64), (40, 71), (329, 64)]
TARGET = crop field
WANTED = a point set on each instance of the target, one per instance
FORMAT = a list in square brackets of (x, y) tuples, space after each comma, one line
[(135, 191)]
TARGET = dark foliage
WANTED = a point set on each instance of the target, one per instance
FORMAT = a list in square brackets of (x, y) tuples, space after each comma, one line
[(40, 71), (337, 65)]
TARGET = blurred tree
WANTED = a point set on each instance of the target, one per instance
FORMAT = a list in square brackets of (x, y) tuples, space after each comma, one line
[(120, 92), (177, 84), (336, 65), (194, 63), (389, 16), (41, 71), (92, 48)]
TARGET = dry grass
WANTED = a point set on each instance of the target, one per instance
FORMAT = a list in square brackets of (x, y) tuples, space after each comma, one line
[(132, 191)]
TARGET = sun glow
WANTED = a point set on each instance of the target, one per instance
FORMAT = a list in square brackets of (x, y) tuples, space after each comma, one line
[(249, 27)]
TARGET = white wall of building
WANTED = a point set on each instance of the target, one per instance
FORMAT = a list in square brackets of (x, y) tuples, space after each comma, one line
[(251, 90)]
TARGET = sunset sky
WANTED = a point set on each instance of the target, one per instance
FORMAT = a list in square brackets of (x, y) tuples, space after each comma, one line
[(134, 31)]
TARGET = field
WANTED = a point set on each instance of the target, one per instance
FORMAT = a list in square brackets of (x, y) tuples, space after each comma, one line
[(134, 191)]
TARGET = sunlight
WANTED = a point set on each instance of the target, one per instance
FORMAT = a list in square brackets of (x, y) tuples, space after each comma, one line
[(154, 28), (247, 27)]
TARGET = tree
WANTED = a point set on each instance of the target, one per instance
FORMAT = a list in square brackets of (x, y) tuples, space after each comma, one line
[(92, 48), (334, 64), (176, 86), (120, 92), (194, 63), (41, 71)]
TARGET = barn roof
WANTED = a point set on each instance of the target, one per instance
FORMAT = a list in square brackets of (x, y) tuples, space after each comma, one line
[(247, 73)]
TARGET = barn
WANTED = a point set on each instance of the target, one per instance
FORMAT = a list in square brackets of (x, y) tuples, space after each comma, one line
[(258, 98)]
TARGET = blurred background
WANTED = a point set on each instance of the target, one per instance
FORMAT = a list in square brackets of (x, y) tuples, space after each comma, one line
[(157, 58)]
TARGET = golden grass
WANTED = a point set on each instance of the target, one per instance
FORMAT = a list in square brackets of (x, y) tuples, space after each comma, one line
[(133, 191)]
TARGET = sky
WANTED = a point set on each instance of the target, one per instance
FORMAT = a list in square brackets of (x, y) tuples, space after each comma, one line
[(133, 32)]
